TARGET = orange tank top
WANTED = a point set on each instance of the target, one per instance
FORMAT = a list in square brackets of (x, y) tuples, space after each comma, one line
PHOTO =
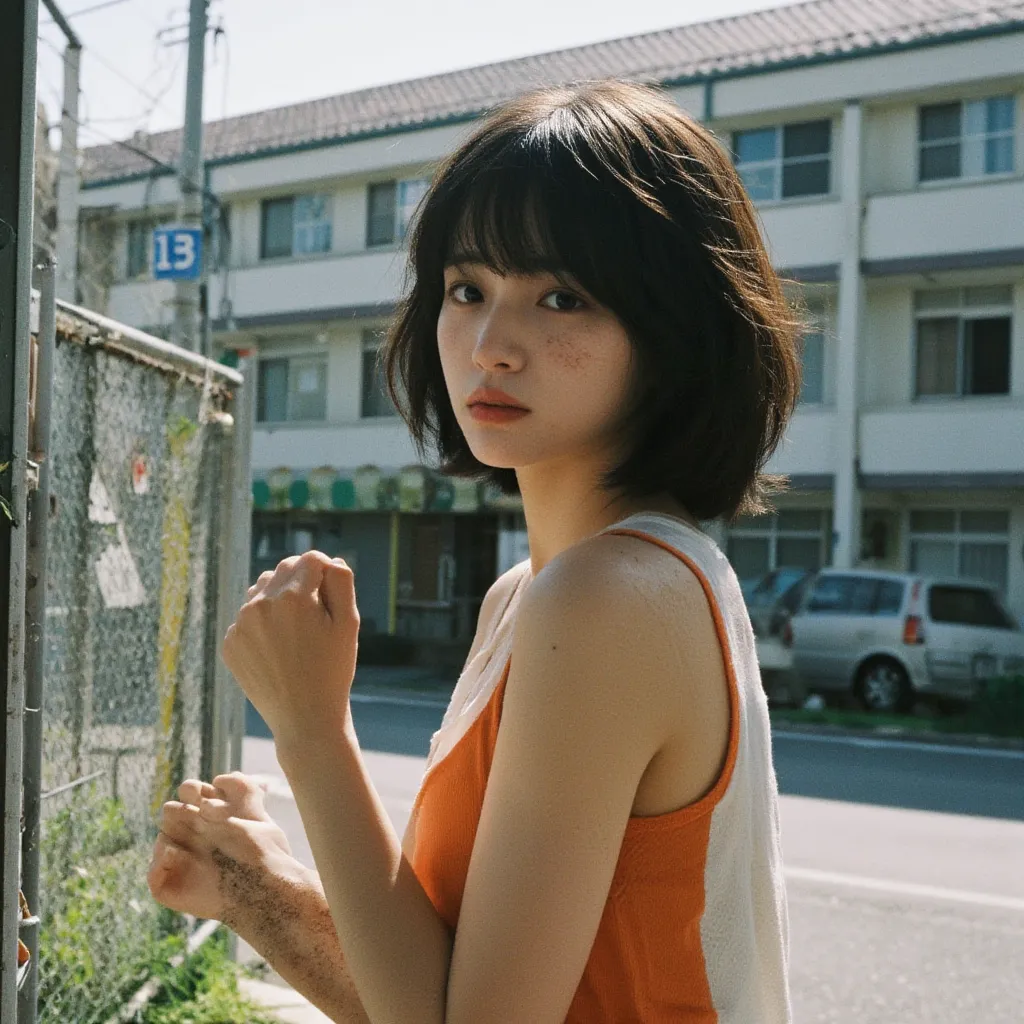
[(695, 925)]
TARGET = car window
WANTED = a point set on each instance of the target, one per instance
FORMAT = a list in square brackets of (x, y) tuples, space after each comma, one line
[(889, 599), (792, 598), (775, 584), (843, 595), (967, 606)]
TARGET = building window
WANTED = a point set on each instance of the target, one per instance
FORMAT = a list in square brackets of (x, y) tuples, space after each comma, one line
[(812, 355), (391, 206), (140, 247), (295, 226), (963, 342), (375, 398), (966, 140), (791, 538), (785, 162), (969, 544), (292, 389)]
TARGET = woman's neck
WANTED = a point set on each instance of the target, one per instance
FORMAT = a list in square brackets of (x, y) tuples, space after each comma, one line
[(564, 506)]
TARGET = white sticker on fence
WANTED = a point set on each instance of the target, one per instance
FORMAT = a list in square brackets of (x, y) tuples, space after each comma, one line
[(118, 577), (100, 509)]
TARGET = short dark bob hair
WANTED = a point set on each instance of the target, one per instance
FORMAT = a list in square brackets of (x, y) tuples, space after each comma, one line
[(612, 185)]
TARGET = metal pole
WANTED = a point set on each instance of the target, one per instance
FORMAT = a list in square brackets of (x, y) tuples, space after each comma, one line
[(238, 541), (226, 604), (242, 533), (186, 293), (67, 187), (35, 631), (18, 30), (67, 182), (393, 575)]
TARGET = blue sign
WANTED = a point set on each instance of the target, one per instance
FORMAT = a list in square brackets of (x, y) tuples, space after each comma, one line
[(177, 253)]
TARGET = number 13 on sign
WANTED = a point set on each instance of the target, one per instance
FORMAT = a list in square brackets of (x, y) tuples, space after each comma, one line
[(177, 252)]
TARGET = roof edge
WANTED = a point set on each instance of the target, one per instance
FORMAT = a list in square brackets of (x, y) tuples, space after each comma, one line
[(942, 39)]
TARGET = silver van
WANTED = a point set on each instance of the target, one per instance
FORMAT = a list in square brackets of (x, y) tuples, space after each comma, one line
[(888, 637)]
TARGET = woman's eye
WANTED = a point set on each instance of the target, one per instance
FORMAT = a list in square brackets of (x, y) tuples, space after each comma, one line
[(563, 302), (465, 293)]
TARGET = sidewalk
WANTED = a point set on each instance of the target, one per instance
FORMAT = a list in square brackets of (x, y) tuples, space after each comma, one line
[(283, 1001)]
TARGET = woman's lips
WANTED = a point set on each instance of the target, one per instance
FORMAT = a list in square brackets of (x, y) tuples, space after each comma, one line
[(484, 413)]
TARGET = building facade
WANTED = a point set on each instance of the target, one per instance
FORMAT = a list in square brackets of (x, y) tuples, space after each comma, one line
[(884, 150)]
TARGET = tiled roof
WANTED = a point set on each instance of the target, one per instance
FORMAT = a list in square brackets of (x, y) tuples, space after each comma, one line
[(815, 30)]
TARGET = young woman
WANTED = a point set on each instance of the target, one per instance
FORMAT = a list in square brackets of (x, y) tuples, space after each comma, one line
[(592, 322)]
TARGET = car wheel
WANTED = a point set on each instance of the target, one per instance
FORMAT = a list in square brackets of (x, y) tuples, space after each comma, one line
[(883, 685)]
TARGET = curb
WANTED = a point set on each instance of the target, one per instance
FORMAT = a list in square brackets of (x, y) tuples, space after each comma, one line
[(925, 737), (440, 695)]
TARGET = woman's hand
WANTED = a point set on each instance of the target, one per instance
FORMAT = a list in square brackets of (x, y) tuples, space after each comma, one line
[(209, 838), (292, 647)]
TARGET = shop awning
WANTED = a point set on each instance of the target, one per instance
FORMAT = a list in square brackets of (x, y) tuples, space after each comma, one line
[(372, 488)]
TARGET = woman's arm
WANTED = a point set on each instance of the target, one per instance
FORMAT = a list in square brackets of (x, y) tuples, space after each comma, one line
[(592, 695), (286, 919)]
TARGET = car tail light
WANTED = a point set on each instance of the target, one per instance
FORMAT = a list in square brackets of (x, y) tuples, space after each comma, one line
[(787, 633), (913, 631)]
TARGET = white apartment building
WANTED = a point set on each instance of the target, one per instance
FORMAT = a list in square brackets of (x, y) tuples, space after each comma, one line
[(882, 144)]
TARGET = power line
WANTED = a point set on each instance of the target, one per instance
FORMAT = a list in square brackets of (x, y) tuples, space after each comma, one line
[(157, 100), (96, 7), (145, 154)]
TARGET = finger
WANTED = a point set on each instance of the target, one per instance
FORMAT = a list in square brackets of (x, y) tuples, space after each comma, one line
[(215, 810), (191, 791), (181, 823), (166, 852), (169, 866), (261, 581), (306, 574), (243, 793), (338, 592)]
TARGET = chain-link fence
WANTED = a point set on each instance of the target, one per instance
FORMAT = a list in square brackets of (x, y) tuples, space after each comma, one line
[(141, 470)]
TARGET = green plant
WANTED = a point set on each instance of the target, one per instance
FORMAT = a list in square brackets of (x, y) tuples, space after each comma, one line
[(102, 934), (999, 708), (100, 939), (204, 990)]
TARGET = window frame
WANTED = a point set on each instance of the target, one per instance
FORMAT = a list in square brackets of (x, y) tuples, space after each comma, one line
[(289, 359), (767, 528), (294, 251), (399, 224), (960, 140), (779, 162), (963, 313), (372, 340), (960, 539)]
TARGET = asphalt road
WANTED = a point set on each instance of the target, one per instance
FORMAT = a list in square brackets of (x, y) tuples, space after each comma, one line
[(904, 864)]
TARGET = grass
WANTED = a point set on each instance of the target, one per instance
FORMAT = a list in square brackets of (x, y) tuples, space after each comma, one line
[(205, 991), (999, 712), (853, 719)]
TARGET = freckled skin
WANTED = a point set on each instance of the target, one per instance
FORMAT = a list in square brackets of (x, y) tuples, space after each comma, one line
[(567, 351)]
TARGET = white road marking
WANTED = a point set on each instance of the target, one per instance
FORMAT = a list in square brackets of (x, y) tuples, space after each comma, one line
[(411, 702), (979, 899), (887, 744)]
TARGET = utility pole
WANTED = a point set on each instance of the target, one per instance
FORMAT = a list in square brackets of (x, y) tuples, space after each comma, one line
[(190, 210), (67, 182)]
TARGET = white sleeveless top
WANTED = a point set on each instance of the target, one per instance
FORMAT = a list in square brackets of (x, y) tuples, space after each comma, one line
[(744, 928)]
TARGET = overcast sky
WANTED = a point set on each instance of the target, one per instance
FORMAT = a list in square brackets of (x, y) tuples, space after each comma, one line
[(275, 52)]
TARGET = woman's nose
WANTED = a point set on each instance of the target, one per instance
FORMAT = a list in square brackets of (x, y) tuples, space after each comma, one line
[(496, 346)]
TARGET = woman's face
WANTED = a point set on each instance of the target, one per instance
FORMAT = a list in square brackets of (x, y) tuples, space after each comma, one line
[(550, 348)]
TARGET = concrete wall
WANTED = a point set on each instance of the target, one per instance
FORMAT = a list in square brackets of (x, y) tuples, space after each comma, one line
[(952, 66)]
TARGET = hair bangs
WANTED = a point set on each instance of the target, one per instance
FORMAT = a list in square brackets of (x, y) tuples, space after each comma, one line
[(536, 209)]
